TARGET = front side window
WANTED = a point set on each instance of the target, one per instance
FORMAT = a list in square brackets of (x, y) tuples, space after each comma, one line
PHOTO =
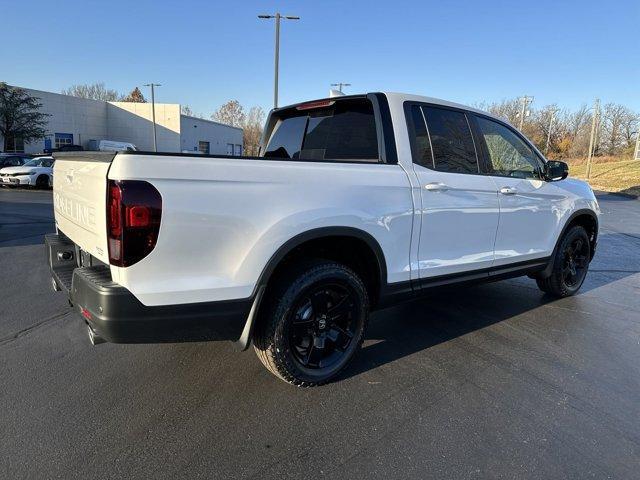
[(339, 130), (508, 154), (451, 140)]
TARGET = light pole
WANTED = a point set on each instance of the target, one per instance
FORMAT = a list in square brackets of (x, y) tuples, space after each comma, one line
[(277, 16), (552, 113), (153, 113), (340, 85), (525, 101), (592, 138)]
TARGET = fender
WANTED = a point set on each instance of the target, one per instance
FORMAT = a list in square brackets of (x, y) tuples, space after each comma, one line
[(245, 339), (583, 211)]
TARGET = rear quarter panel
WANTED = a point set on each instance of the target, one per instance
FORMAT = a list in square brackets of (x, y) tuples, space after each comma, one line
[(223, 219)]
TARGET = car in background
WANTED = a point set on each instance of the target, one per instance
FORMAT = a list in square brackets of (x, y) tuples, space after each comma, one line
[(36, 172), (114, 146), (13, 159), (64, 148)]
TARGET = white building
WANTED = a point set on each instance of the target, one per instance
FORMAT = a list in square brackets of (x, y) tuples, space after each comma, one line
[(78, 121)]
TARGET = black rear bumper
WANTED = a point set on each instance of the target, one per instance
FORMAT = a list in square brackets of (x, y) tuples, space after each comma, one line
[(116, 315)]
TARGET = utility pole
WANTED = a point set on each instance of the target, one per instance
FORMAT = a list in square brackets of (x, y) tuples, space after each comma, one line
[(636, 152), (592, 137), (340, 85), (525, 101), (278, 17), (153, 113), (552, 113)]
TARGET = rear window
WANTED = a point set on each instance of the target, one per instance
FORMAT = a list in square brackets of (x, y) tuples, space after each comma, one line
[(344, 130)]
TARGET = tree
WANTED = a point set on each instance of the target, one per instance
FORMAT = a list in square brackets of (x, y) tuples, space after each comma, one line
[(186, 110), (94, 91), (135, 96), (252, 131), (231, 113), (20, 117)]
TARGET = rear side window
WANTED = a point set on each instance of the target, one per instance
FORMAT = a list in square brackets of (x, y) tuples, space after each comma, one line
[(451, 141), (422, 146), (343, 130)]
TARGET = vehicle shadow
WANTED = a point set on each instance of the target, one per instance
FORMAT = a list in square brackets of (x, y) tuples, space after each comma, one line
[(446, 314)]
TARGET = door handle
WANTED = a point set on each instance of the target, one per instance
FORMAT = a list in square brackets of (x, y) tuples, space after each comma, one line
[(436, 187), (508, 191)]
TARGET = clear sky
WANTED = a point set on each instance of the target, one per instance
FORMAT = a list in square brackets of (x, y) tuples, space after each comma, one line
[(206, 52)]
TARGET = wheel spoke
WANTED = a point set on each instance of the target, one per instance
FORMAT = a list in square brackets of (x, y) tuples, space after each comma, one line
[(339, 309), (316, 351), (339, 337)]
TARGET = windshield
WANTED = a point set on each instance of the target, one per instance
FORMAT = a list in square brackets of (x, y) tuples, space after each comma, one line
[(39, 162)]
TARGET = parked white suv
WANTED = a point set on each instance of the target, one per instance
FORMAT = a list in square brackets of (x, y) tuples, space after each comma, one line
[(354, 203)]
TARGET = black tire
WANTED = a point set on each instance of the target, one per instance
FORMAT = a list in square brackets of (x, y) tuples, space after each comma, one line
[(570, 264), (313, 323), (42, 181)]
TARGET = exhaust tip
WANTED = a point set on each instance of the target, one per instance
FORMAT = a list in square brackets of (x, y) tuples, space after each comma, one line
[(94, 338)]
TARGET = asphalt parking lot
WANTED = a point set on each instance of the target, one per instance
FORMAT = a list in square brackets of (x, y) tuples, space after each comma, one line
[(494, 381)]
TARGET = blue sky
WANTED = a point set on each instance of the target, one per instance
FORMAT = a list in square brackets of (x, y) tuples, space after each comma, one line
[(206, 52)]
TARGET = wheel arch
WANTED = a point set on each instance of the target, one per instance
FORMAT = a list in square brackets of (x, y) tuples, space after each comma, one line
[(369, 262), (584, 217)]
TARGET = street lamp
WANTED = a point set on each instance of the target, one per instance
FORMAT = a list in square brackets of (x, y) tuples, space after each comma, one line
[(277, 16), (153, 113), (340, 85)]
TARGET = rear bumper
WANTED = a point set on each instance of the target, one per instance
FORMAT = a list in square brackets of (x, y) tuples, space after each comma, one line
[(116, 315)]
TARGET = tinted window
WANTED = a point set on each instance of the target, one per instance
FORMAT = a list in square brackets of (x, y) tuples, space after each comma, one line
[(345, 130), (451, 141), (508, 154), (422, 154), (286, 139)]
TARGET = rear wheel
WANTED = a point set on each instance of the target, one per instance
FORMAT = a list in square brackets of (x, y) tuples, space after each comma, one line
[(313, 324), (42, 181), (570, 264)]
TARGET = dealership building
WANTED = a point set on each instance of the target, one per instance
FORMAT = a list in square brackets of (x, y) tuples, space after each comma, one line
[(81, 121)]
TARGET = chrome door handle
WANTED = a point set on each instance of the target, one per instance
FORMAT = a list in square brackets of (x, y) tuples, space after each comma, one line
[(508, 191), (436, 187)]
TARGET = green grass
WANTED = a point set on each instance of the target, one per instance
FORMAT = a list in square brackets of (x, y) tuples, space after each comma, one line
[(623, 177)]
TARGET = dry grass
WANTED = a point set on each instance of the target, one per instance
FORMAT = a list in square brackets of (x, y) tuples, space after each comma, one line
[(610, 176)]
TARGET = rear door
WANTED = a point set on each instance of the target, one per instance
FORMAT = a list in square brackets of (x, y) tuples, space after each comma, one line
[(529, 206), (80, 197), (459, 205)]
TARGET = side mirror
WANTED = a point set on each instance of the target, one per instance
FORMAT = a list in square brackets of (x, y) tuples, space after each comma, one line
[(555, 170)]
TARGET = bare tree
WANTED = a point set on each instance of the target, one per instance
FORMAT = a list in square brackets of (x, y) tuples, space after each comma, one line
[(231, 113), (614, 117), (252, 131), (135, 96), (20, 117), (94, 91), (186, 110)]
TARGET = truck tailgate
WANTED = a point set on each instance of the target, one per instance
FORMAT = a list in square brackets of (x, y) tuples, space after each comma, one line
[(79, 199)]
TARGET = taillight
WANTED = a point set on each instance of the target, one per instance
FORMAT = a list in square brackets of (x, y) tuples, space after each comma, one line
[(134, 209)]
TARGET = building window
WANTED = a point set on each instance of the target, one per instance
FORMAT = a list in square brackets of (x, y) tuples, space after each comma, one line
[(238, 150), (63, 139), (203, 147), (14, 144), (229, 148)]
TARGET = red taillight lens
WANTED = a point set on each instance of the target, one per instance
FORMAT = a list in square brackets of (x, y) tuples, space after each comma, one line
[(134, 209), (316, 104)]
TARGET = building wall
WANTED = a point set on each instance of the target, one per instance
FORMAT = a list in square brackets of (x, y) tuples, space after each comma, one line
[(132, 122), (193, 130), (84, 119), (87, 120)]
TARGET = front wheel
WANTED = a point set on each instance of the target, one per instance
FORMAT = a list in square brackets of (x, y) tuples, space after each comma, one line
[(313, 323), (570, 264)]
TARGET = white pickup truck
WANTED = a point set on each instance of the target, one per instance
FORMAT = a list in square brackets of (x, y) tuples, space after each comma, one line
[(355, 203)]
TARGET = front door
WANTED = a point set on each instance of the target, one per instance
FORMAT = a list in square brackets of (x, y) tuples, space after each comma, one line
[(530, 207), (459, 210)]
